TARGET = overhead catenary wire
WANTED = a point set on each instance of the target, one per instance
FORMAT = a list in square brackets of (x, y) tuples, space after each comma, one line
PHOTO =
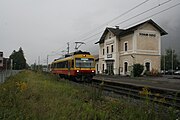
[(85, 39), (126, 12), (134, 17), (152, 15), (145, 11), (155, 14), (119, 16)]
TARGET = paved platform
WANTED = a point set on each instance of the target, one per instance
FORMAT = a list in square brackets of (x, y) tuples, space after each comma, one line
[(165, 82)]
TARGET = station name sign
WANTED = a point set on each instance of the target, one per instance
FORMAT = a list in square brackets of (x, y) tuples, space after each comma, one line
[(109, 55), (147, 34)]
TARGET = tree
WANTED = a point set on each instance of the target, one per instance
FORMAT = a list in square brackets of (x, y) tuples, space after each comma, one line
[(137, 69), (167, 60), (19, 61)]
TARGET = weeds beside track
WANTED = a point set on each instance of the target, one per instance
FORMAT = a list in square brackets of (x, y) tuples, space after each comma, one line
[(167, 97)]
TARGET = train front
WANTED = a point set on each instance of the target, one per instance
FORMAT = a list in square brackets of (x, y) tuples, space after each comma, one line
[(84, 66)]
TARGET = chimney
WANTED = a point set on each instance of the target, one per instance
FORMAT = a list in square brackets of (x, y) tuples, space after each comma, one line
[(117, 27)]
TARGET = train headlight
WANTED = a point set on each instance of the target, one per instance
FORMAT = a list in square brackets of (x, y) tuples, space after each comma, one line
[(77, 70), (92, 70)]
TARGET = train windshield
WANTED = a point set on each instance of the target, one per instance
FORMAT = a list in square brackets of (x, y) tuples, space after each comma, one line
[(84, 63)]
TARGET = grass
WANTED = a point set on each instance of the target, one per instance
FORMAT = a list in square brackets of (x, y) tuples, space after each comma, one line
[(34, 95)]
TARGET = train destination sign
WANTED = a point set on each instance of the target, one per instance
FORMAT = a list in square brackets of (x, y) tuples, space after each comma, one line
[(84, 59)]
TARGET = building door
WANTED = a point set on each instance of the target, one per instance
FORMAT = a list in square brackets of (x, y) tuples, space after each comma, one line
[(125, 68), (110, 67)]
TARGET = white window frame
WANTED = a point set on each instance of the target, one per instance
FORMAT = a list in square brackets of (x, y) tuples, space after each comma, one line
[(149, 61), (124, 67), (112, 48)]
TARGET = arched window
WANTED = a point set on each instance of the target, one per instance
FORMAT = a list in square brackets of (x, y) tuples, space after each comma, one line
[(112, 49), (97, 67), (107, 49), (147, 65), (125, 67), (103, 67), (125, 46), (103, 51)]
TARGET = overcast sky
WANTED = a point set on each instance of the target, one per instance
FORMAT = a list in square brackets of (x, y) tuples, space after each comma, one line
[(43, 27)]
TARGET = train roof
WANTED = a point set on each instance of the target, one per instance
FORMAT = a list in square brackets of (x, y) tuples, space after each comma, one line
[(81, 52), (72, 55)]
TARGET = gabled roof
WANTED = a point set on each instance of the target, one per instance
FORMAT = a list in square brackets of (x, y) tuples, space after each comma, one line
[(115, 31), (121, 32)]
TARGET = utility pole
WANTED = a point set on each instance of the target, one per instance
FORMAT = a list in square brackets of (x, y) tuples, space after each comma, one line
[(164, 63), (68, 48), (38, 62), (47, 63), (11, 65), (172, 62)]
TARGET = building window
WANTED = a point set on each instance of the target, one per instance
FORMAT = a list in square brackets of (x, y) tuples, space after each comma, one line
[(103, 51), (147, 65), (1, 54), (125, 46), (107, 49), (0, 61), (125, 67), (112, 48), (103, 68)]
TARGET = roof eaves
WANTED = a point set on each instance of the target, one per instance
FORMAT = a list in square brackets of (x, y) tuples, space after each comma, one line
[(162, 32), (102, 37)]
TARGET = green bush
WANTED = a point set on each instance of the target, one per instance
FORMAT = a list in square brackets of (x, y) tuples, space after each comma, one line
[(137, 69)]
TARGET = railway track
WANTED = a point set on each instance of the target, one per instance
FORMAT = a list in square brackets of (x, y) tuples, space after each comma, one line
[(167, 97)]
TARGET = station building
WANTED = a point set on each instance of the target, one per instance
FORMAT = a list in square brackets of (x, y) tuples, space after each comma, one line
[(119, 49)]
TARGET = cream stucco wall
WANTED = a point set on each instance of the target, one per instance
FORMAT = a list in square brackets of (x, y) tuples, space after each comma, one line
[(125, 39), (154, 60)]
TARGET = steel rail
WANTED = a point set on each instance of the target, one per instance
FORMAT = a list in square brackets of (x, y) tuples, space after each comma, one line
[(167, 97)]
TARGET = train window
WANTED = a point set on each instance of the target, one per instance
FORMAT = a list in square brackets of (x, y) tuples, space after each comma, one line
[(61, 65), (58, 65), (64, 64)]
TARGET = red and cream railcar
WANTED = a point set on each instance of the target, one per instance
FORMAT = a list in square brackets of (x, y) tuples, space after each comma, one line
[(79, 66)]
